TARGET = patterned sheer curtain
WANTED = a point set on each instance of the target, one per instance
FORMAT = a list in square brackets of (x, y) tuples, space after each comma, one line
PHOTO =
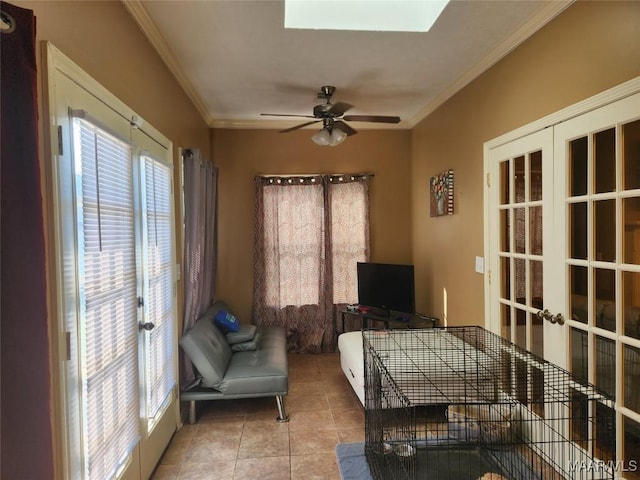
[(200, 242), (349, 211), (310, 232)]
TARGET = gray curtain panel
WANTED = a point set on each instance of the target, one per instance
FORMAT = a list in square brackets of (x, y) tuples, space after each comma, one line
[(200, 242)]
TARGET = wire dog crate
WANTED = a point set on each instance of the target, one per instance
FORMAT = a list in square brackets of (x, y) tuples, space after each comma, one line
[(463, 403)]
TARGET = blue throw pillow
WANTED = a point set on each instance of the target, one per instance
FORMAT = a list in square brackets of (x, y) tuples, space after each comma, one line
[(227, 322)]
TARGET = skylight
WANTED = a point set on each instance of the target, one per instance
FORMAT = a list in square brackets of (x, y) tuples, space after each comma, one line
[(372, 15)]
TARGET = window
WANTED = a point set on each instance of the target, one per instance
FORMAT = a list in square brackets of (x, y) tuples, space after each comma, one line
[(349, 207), (310, 234), (294, 244)]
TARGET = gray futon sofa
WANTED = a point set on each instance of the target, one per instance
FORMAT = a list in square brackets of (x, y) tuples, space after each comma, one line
[(259, 369)]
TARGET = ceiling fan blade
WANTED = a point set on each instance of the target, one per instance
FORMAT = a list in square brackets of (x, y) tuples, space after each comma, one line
[(298, 126), (286, 115), (337, 109), (340, 125), (372, 118)]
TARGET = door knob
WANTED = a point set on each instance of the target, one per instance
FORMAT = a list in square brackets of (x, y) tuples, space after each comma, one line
[(548, 316), (544, 315), (148, 326)]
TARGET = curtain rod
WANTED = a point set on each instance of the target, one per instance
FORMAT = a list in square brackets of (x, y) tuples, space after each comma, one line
[(290, 175)]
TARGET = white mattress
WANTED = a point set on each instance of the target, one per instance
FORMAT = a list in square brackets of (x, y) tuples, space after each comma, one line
[(352, 361), (437, 373)]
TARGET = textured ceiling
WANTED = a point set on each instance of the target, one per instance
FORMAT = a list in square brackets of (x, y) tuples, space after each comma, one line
[(236, 60)]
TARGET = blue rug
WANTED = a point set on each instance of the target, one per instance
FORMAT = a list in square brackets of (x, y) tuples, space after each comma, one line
[(352, 462)]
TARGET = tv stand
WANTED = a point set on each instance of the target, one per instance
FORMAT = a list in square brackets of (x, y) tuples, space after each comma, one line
[(389, 319), (375, 312)]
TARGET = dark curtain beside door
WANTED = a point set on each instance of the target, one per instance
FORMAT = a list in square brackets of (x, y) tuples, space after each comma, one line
[(200, 243), (25, 400)]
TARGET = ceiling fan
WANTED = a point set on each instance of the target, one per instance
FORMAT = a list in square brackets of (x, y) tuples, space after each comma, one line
[(332, 115)]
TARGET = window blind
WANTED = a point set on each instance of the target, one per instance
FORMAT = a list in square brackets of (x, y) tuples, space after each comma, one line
[(108, 300), (159, 295)]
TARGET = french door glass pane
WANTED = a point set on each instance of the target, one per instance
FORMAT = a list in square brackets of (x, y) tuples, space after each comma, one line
[(519, 179), (604, 303), (606, 365), (631, 304), (536, 293), (535, 173), (605, 441), (577, 229), (505, 275), (520, 278), (521, 328), (520, 233), (579, 361), (630, 142), (537, 392), (631, 233), (631, 384), (505, 315), (505, 231), (578, 167), (522, 381), (535, 230), (537, 335), (505, 184), (605, 160), (605, 230), (579, 416), (578, 283)]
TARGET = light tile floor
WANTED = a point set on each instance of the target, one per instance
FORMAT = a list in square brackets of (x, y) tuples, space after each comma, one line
[(240, 439)]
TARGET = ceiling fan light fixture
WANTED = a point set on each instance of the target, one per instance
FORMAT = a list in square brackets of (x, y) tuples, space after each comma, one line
[(329, 136), (337, 137), (322, 137)]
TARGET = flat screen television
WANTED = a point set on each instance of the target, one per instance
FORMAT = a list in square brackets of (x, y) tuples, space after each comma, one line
[(385, 286)]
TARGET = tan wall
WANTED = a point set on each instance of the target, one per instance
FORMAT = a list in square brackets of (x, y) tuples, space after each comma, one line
[(103, 39), (241, 154), (590, 47)]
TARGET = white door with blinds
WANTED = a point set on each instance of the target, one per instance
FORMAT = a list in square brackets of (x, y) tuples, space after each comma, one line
[(115, 243)]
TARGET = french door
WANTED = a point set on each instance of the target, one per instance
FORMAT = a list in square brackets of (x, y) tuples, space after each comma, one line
[(522, 282), (564, 255), (112, 196), (599, 219)]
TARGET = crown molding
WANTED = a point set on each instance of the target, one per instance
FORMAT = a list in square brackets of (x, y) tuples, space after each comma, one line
[(545, 14), (140, 15)]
